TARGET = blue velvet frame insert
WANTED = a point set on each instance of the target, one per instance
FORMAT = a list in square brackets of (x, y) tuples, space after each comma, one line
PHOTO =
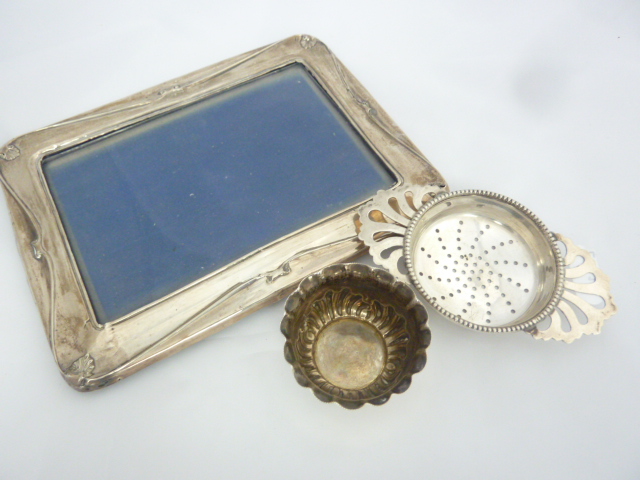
[(153, 208)]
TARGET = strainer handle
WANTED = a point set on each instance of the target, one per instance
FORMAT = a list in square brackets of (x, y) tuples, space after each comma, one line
[(585, 303)]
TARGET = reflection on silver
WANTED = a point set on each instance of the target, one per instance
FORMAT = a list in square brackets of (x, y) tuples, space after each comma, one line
[(484, 261), (355, 335), (488, 263), (384, 223), (586, 301)]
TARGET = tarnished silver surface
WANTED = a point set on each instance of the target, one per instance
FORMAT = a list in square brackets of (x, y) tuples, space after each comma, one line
[(487, 262), (90, 355), (355, 335)]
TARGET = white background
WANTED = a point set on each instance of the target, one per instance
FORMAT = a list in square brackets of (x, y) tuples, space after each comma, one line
[(539, 101)]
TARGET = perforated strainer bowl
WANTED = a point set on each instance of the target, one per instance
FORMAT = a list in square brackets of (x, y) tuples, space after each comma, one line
[(484, 261)]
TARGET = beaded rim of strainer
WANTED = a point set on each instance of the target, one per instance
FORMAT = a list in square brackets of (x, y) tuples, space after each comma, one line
[(560, 266)]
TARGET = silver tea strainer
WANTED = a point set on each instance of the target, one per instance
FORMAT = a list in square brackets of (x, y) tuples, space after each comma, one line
[(486, 262)]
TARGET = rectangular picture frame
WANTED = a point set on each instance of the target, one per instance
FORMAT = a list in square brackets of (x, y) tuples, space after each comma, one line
[(91, 355)]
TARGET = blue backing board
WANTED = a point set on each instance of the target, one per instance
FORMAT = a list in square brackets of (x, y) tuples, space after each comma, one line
[(153, 208)]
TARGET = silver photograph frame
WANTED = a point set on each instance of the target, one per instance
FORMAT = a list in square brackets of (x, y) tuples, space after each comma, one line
[(90, 355)]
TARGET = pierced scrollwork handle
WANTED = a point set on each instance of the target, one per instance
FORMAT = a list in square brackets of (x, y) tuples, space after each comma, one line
[(385, 220), (586, 302)]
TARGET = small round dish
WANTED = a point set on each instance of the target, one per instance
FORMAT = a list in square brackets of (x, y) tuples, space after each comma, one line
[(484, 261), (355, 335)]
